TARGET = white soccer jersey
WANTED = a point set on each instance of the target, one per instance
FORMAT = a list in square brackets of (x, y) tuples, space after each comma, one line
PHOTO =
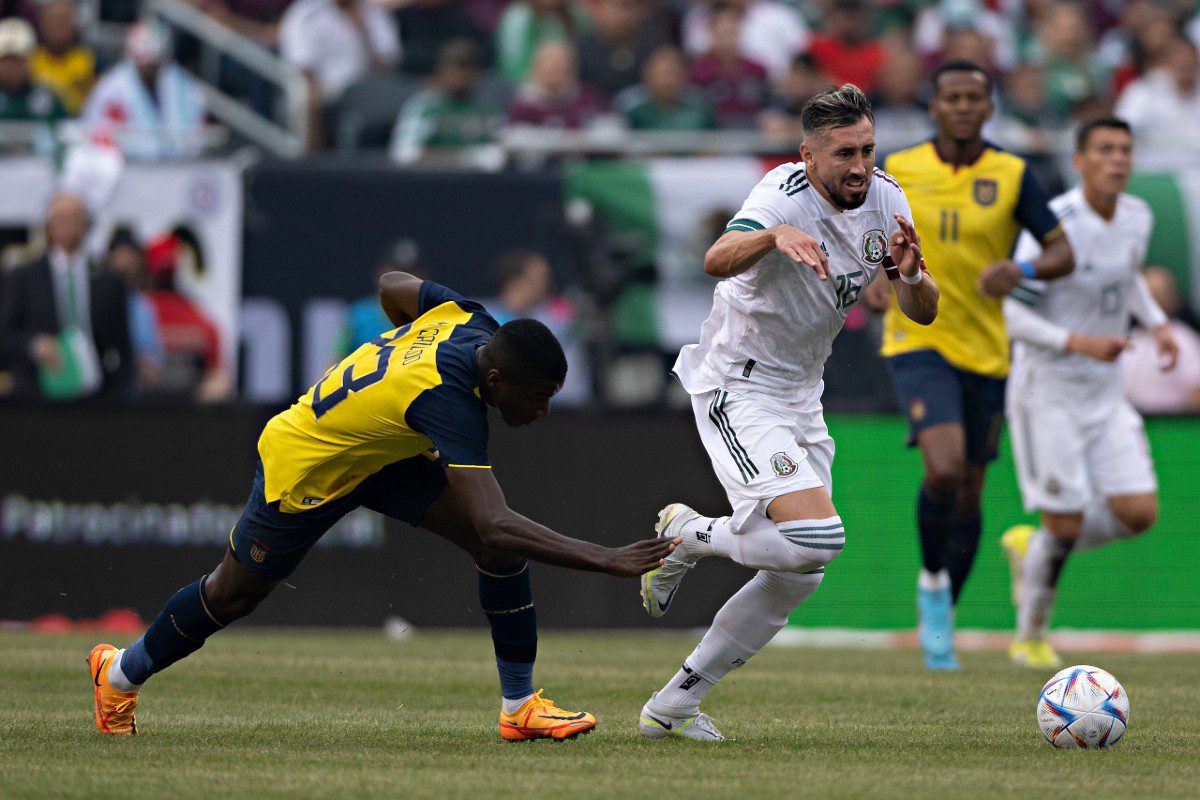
[(772, 327), (1074, 435), (1097, 298)]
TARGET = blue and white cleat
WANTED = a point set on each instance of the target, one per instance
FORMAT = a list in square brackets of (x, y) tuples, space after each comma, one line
[(936, 628), (658, 585), (654, 725)]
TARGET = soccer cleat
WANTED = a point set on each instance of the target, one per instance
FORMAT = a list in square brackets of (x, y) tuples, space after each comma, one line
[(700, 727), (539, 718), (659, 585), (114, 708), (1035, 653), (936, 628), (1015, 542)]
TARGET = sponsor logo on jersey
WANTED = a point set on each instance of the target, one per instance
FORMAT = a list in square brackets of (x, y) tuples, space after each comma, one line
[(874, 246), (783, 465), (985, 191)]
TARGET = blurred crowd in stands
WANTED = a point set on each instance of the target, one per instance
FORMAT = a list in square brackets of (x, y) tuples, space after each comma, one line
[(429, 81), (447, 74)]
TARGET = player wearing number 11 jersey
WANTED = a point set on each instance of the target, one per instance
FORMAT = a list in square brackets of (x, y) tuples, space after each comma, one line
[(399, 427), (969, 200)]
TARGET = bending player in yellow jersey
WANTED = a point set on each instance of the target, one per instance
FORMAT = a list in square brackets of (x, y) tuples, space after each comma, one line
[(970, 200), (399, 427)]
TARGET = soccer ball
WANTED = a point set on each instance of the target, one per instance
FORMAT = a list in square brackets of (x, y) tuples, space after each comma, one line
[(1083, 707)]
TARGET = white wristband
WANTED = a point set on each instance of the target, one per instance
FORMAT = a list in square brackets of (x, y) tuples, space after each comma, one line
[(913, 280)]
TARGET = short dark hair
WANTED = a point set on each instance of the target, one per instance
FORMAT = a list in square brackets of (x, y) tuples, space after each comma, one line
[(836, 108), (1085, 130), (961, 65), (526, 351)]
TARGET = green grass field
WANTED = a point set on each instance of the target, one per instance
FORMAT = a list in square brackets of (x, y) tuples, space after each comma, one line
[(316, 714)]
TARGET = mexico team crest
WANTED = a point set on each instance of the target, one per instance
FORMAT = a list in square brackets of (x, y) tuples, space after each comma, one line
[(985, 191), (874, 246), (783, 465)]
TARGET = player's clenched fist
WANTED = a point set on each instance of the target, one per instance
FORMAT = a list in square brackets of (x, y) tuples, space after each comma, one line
[(639, 558), (999, 279), (801, 248), (1101, 348)]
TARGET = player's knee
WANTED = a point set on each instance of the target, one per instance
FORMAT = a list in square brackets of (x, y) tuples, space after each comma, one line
[(231, 598), (805, 557), (946, 474), (1138, 517)]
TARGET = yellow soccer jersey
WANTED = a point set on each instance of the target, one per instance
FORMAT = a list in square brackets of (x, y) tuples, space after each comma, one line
[(968, 218), (410, 391)]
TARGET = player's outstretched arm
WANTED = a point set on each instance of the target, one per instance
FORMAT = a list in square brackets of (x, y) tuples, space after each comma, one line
[(399, 294), (502, 529), (916, 292), (737, 251)]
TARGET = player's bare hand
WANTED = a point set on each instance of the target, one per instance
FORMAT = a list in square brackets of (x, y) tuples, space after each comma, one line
[(639, 558), (1168, 348), (905, 246), (801, 248), (45, 351), (1101, 348), (999, 279)]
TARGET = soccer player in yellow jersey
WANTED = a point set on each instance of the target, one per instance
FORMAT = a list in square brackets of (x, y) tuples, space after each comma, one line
[(399, 427), (970, 200)]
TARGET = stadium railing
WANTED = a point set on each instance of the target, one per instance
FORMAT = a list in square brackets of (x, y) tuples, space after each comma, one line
[(286, 135)]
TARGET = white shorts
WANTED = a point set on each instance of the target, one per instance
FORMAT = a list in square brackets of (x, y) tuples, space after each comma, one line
[(762, 448), (1064, 461)]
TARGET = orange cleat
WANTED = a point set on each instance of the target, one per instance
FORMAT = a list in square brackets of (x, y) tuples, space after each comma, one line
[(114, 709), (539, 718)]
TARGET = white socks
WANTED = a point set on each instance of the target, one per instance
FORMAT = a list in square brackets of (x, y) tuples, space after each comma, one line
[(1039, 583), (511, 706), (742, 627), (705, 536), (933, 581), (794, 546), (1100, 526), (117, 678)]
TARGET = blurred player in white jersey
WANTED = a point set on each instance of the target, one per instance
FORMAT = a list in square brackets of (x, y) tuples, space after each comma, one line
[(1082, 458), (795, 260)]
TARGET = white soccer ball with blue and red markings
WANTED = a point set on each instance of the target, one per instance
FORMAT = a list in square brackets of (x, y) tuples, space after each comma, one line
[(1083, 707)]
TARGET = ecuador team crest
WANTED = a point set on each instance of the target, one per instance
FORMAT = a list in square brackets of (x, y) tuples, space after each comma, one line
[(985, 191), (874, 246), (783, 465)]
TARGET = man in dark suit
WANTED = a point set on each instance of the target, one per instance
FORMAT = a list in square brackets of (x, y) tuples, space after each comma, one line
[(64, 328)]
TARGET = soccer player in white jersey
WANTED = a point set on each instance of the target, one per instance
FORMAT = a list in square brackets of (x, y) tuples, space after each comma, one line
[(795, 260), (1082, 459)]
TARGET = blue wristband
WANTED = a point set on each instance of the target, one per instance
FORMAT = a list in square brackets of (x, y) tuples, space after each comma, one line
[(1027, 268)]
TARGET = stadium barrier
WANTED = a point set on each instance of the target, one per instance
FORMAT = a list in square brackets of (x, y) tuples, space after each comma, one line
[(108, 508)]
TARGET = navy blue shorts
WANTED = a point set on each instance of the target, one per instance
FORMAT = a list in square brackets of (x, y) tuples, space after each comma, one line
[(931, 392), (272, 543)]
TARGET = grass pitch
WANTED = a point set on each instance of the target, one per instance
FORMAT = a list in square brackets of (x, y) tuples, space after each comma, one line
[(293, 714)]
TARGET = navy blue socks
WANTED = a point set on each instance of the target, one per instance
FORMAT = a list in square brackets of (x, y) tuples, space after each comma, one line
[(178, 631), (507, 600)]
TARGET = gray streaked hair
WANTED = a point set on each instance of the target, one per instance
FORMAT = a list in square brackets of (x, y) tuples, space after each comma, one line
[(836, 108)]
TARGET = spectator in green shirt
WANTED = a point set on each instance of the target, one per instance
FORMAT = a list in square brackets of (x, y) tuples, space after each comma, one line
[(528, 24), (664, 101), (448, 113), (22, 99)]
